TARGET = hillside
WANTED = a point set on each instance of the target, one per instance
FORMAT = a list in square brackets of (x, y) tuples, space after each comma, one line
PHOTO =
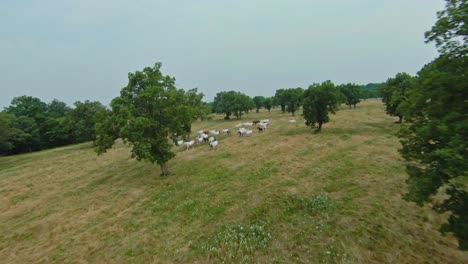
[(285, 195)]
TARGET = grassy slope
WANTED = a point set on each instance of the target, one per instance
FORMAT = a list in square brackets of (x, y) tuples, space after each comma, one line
[(329, 197)]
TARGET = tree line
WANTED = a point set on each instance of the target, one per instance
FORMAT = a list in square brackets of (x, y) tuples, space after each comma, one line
[(28, 124)]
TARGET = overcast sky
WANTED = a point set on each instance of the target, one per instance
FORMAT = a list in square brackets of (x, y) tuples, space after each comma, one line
[(84, 49)]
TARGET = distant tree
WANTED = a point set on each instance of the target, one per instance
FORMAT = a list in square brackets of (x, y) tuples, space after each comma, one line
[(280, 99), (259, 102), (293, 99), (81, 120), (30, 138), (352, 93), (57, 109), (371, 90), (28, 106), (232, 102), (149, 113), (10, 135), (55, 130), (393, 93), (268, 103), (194, 109), (320, 100)]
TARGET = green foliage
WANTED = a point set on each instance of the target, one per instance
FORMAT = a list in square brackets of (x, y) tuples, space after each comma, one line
[(352, 93), (320, 100), (268, 103), (290, 99), (393, 93), (371, 90), (232, 102), (294, 97), (259, 102), (450, 32), (81, 120), (28, 106), (10, 135), (148, 113), (232, 242), (280, 99), (435, 136)]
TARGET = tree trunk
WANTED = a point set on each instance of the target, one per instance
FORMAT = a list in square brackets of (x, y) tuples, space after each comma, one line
[(319, 127), (349, 106), (164, 171), (400, 119)]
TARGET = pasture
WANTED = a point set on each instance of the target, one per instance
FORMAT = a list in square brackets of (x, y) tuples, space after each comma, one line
[(281, 196)]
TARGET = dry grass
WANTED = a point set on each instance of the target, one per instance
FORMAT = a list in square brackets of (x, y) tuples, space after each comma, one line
[(68, 205)]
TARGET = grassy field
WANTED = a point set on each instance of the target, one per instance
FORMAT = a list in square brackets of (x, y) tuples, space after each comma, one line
[(286, 195)]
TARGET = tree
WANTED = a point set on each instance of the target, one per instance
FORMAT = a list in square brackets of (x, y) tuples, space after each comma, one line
[(259, 102), (268, 103), (194, 109), (393, 93), (450, 32), (371, 90), (149, 113), (10, 135), (435, 140), (320, 100), (232, 102), (281, 99), (57, 109), (28, 106), (435, 135), (352, 93), (293, 99), (81, 120)]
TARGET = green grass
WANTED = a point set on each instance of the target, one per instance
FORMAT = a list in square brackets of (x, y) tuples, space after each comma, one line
[(286, 195)]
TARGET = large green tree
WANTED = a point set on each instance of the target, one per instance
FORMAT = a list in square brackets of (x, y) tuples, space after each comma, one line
[(320, 100), (435, 137), (393, 93), (149, 113)]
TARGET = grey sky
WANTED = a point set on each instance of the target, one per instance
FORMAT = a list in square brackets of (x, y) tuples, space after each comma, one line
[(84, 49)]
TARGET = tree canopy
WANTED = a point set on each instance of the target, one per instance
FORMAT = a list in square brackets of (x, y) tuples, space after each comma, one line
[(320, 100), (435, 135), (150, 113), (268, 103), (393, 93), (450, 32), (352, 93), (232, 102), (259, 102)]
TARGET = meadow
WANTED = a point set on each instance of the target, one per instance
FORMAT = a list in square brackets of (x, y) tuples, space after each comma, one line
[(283, 196)]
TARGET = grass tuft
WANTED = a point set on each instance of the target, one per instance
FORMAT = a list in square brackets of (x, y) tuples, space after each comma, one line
[(237, 241)]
